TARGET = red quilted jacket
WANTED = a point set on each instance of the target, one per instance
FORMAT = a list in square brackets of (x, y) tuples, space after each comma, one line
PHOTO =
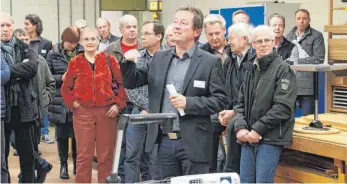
[(92, 88)]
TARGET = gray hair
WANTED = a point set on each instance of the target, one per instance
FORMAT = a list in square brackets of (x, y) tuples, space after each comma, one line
[(214, 18), (4, 15), (88, 30), (125, 18), (101, 21), (262, 29), (19, 31), (170, 26), (81, 23), (241, 29), (278, 16)]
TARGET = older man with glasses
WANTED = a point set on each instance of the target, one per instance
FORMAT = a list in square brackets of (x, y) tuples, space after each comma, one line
[(265, 111)]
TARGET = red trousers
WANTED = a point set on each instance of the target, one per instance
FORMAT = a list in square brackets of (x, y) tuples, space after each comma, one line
[(92, 125)]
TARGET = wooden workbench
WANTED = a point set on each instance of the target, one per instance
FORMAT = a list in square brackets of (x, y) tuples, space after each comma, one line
[(332, 146)]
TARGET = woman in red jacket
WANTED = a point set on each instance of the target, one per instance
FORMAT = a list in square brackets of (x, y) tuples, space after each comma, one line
[(87, 91)]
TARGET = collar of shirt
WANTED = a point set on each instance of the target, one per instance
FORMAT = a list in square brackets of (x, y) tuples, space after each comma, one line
[(106, 40), (256, 64), (188, 53), (146, 54), (279, 45), (240, 57), (38, 40)]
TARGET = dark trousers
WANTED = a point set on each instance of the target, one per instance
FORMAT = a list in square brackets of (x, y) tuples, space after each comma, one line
[(216, 159), (38, 160), (25, 140), (233, 151), (4, 168), (173, 160), (259, 162), (306, 104)]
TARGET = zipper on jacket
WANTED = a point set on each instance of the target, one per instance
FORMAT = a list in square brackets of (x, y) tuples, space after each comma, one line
[(94, 96), (281, 136)]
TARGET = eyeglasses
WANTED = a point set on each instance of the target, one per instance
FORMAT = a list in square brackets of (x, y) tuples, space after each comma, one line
[(92, 39), (146, 34), (265, 41)]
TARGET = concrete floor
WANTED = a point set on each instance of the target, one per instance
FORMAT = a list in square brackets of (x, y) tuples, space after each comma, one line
[(49, 153)]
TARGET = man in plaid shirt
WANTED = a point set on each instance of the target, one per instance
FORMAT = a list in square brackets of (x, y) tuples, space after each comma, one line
[(137, 161)]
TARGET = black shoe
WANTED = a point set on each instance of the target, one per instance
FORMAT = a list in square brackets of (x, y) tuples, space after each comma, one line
[(42, 172), (39, 152), (74, 169), (64, 174), (20, 178), (15, 153)]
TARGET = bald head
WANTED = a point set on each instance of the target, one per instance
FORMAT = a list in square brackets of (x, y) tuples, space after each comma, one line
[(6, 23)]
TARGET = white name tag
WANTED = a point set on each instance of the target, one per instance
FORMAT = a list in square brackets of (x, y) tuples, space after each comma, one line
[(43, 51), (199, 84)]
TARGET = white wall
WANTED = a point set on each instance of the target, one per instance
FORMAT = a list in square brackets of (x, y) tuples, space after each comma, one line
[(47, 10)]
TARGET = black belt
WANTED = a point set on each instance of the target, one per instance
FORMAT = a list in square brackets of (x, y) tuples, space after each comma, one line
[(174, 135)]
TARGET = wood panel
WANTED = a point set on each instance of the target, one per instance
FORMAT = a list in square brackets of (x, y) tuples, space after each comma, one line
[(278, 179), (304, 175), (338, 81), (336, 29), (337, 49), (307, 143)]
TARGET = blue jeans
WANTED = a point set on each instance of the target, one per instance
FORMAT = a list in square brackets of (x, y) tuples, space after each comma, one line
[(259, 162), (121, 173), (306, 104), (173, 160), (136, 160), (44, 129)]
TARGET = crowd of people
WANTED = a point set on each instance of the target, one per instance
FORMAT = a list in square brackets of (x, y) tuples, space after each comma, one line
[(238, 85)]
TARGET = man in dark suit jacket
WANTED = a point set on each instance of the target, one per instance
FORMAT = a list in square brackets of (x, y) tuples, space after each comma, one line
[(197, 77), (33, 26)]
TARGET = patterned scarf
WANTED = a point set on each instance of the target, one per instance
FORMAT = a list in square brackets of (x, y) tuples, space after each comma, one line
[(7, 50), (8, 54)]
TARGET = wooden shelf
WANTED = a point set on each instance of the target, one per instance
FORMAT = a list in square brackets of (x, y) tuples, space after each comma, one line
[(336, 29), (337, 49), (338, 82)]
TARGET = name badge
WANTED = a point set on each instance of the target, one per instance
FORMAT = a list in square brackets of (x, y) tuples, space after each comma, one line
[(43, 51), (199, 84)]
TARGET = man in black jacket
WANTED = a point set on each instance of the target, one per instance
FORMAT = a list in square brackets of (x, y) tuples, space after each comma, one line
[(217, 45), (33, 26), (197, 77), (21, 99), (265, 111), (241, 57), (286, 49)]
